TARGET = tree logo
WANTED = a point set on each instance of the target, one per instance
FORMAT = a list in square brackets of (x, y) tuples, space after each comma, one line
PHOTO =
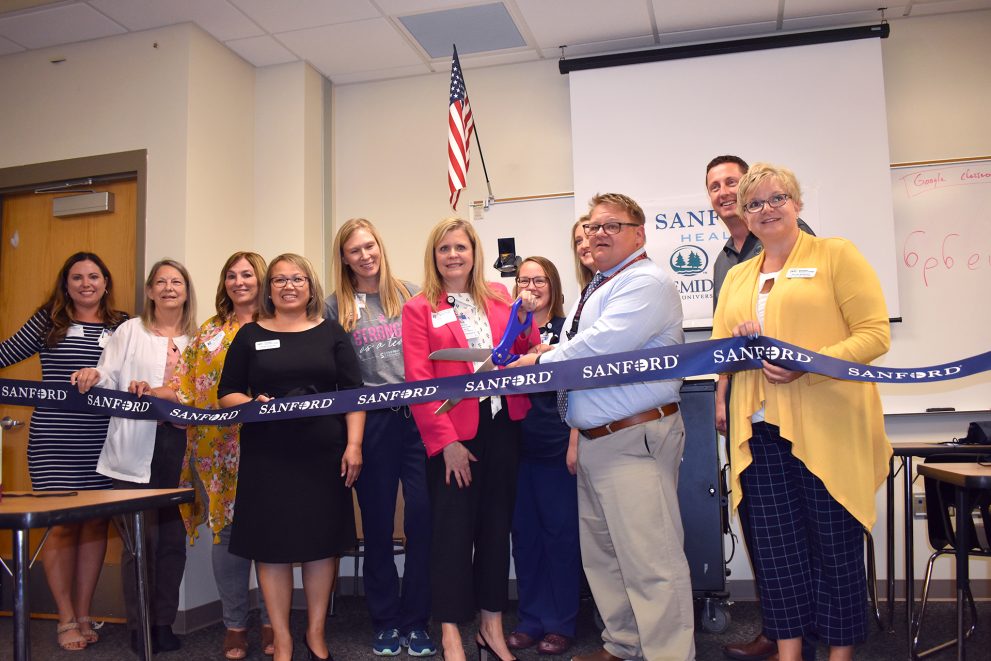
[(689, 260)]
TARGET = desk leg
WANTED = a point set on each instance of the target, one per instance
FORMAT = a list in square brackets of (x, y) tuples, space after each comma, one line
[(22, 610), (963, 563), (140, 566), (909, 551), (890, 537)]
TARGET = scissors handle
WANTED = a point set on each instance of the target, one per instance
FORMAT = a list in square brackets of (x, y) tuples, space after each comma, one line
[(502, 353)]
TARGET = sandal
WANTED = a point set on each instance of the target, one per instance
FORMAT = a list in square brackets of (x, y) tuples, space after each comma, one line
[(268, 640), (235, 644), (68, 641), (87, 630)]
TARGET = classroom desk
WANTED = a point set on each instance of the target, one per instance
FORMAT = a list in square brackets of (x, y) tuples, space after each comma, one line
[(969, 479), (904, 451), (20, 514)]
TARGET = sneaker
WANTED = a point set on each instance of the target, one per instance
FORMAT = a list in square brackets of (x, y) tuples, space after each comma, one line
[(387, 643), (418, 643)]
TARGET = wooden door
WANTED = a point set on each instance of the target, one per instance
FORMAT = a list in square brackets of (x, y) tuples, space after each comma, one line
[(33, 246)]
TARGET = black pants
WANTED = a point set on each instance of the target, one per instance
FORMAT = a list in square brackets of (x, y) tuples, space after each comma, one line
[(469, 556), (165, 536)]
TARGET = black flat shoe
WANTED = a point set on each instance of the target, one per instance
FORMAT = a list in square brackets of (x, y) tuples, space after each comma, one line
[(163, 638)]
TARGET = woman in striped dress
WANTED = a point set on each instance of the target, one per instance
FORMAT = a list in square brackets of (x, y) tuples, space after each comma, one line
[(69, 332)]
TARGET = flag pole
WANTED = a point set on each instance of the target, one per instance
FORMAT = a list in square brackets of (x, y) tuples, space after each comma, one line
[(485, 170)]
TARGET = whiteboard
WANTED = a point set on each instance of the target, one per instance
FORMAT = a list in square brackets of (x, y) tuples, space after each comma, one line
[(648, 130), (541, 226), (943, 242)]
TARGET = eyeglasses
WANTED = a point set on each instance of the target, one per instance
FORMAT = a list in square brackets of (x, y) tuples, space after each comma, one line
[(608, 228), (297, 281), (775, 201), (538, 282)]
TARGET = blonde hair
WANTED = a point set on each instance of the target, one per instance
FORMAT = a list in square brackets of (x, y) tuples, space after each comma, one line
[(314, 307), (433, 284), (760, 172), (621, 201), (223, 302), (584, 273), (553, 278), (187, 323), (392, 292)]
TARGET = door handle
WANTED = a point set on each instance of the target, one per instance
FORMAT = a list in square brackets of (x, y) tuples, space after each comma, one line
[(10, 424)]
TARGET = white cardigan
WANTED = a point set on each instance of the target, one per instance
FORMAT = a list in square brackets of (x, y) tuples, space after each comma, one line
[(132, 354)]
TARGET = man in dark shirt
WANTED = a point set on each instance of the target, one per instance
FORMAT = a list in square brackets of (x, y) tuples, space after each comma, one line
[(722, 175)]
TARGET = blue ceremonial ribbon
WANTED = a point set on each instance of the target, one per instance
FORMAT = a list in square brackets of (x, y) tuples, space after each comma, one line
[(671, 362)]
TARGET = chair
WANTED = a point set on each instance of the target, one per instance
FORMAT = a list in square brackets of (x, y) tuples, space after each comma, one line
[(940, 517)]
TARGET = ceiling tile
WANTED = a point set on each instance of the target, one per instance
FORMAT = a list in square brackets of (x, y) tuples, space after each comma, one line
[(725, 33), (830, 21), (379, 74), (261, 51), (930, 7), (64, 24), (406, 7), (7, 47), (807, 8), (482, 60), (556, 22), (477, 29), (679, 15), (601, 47), (352, 47), (286, 15), (218, 17)]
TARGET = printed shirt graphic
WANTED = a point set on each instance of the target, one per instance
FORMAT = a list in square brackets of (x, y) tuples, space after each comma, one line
[(377, 339)]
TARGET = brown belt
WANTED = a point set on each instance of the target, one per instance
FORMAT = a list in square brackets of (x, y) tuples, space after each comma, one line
[(637, 419)]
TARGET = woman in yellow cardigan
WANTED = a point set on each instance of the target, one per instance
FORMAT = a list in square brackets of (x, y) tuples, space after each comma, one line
[(808, 452)]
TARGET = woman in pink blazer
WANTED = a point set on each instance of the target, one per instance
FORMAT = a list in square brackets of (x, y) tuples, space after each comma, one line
[(473, 449)]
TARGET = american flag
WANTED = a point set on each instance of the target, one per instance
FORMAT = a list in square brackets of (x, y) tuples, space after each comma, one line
[(460, 127)]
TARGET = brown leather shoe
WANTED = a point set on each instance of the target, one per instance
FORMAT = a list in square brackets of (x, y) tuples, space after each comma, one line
[(757, 649), (554, 644), (598, 655), (520, 641)]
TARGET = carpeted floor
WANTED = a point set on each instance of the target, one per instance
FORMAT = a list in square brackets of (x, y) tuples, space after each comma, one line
[(350, 634)]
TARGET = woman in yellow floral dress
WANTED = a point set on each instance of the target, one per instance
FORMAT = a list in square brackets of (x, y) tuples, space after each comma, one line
[(212, 452)]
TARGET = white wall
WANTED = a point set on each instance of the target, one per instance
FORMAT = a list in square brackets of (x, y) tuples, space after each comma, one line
[(390, 149)]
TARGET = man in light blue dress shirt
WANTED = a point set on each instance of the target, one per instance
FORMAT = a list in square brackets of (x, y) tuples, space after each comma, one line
[(630, 446)]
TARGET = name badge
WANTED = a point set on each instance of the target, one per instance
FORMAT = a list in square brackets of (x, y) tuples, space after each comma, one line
[(105, 336), (75, 330), (214, 342), (802, 273), (266, 344), (443, 317)]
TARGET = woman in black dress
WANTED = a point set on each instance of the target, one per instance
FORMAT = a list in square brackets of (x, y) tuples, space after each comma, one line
[(294, 500)]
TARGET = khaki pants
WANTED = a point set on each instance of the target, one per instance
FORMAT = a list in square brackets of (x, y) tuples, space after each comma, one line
[(632, 540)]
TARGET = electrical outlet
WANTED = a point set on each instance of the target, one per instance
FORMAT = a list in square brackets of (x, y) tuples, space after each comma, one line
[(919, 505)]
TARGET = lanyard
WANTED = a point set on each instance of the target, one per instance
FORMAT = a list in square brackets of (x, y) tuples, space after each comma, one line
[(587, 294)]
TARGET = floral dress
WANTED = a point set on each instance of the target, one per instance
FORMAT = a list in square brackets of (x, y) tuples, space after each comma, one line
[(213, 451)]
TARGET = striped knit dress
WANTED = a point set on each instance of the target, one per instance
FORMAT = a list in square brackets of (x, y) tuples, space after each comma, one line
[(63, 446)]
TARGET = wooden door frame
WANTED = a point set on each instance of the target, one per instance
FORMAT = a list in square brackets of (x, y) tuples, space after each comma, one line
[(28, 177)]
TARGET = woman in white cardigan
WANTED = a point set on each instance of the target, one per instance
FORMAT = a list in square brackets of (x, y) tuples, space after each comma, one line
[(145, 454)]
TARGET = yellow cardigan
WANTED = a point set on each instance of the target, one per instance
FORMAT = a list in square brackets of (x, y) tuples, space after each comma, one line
[(836, 427)]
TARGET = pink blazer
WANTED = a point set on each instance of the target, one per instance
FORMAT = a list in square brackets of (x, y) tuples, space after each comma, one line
[(420, 338)]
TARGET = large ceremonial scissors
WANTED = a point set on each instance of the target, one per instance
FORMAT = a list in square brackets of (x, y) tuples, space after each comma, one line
[(500, 355)]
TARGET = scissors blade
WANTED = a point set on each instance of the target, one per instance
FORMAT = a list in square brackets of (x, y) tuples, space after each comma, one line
[(472, 355), (487, 366)]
